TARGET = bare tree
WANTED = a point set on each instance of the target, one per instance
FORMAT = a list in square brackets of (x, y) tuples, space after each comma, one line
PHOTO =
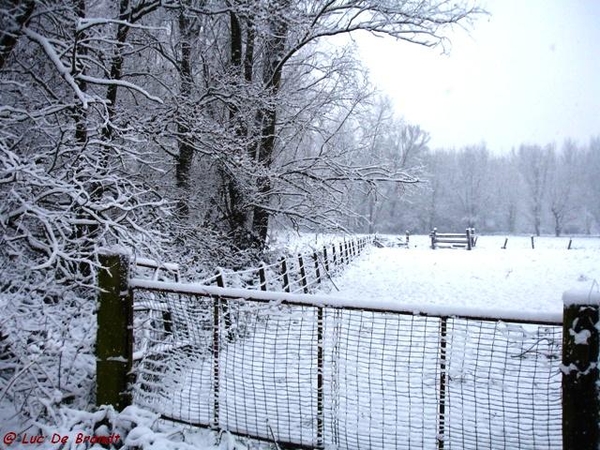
[(562, 185), (534, 165), (284, 45)]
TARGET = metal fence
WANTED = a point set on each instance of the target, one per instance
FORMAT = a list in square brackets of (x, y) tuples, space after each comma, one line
[(318, 372)]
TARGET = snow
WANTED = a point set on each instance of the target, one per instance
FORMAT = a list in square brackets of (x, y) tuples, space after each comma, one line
[(364, 300), (589, 296), (516, 282)]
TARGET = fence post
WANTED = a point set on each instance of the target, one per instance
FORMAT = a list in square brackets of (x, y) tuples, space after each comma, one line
[(469, 241), (533, 242), (284, 274), (443, 370), (303, 279), (580, 402), (262, 274), (317, 270), (227, 323), (215, 354), (320, 378), (325, 259), (114, 340), (407, 237), (334, 255), (432, 235)]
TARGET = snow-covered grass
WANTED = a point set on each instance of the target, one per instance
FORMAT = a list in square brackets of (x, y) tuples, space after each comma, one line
[(518, 280), (515, 279)]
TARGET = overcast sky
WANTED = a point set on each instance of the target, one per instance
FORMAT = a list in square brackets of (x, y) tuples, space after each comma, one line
[(528, 73)]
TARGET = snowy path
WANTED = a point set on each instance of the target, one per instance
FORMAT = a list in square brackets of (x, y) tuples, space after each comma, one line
[(518, 278)]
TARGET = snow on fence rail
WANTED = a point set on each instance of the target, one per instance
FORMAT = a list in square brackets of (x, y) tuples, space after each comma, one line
[(315, 371)]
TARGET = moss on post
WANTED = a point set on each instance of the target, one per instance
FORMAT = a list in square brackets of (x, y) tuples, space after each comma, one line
[(114, 342)]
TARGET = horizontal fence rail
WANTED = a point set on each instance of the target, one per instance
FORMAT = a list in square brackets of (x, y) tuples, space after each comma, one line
[(314, 371)]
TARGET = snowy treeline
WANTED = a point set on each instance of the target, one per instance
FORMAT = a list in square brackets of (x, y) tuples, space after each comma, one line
[(534, 189), (180, 129)]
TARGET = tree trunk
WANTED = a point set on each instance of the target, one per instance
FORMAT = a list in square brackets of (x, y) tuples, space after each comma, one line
[(10, 36), (186, 150), (272, 80)]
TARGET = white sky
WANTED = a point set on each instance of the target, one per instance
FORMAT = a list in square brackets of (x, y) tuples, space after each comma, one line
[(528, 73)]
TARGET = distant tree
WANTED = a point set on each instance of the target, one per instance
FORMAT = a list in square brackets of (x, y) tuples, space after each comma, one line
[(398, 149), (562, 181), (287, 33), (470, 183), (534, 166), (590, 184)]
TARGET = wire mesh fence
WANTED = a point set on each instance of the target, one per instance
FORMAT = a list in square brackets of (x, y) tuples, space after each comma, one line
[(336, 377)]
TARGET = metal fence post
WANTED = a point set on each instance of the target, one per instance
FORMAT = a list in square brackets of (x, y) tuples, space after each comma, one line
[(215, 362), (443, 381), (580, 389), (114, 339), (320, 378)]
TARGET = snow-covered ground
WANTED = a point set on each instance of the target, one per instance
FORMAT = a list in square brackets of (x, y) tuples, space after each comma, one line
[(515, 279), (518, 280)]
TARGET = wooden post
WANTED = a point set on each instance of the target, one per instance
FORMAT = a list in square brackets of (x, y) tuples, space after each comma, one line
[(580, 389), (303, 280), (317, 270), (284, 274), (347, 259), (114, 340), (407, 237), (262, 274), (505, 242), (469, 241), (533, 242), (341, 253), (325, 259), (334, 255), (433, 238), (570, 242)]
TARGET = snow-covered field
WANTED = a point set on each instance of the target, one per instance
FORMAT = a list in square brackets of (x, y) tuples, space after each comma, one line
[(515, 279), (518, 280)]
